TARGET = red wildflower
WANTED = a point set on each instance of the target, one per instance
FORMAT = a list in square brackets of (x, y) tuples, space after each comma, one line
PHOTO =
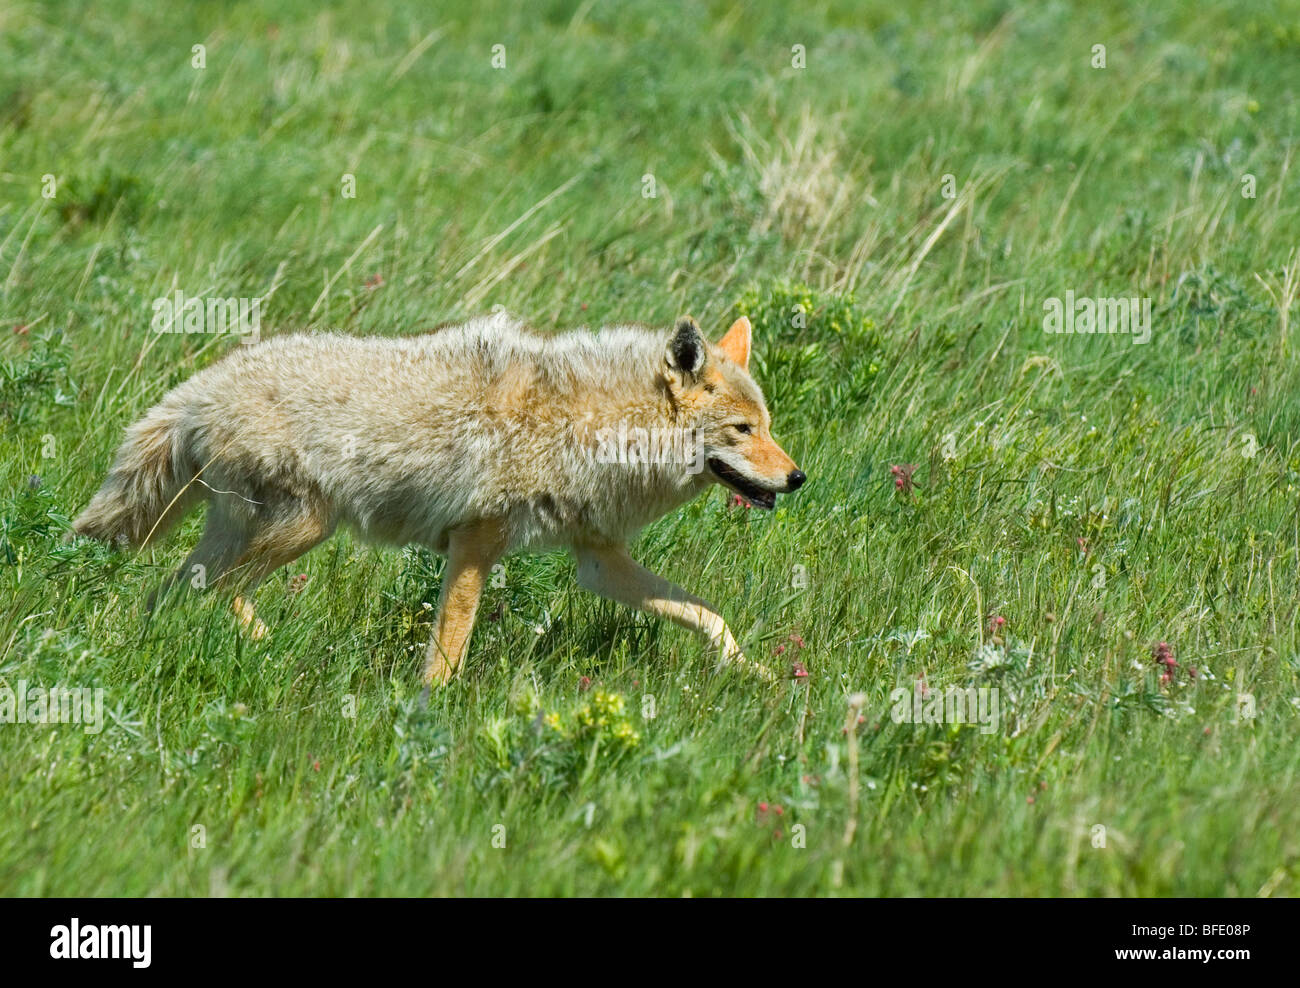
[(1163, 653), (903, 476)]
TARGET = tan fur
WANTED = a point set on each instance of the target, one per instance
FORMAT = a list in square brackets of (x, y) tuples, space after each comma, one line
[(735, 343), (612, 573), (475, 440), (471, 552)]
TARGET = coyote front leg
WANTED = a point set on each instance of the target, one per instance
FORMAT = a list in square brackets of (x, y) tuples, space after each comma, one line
[(612, 573), (471, 551)]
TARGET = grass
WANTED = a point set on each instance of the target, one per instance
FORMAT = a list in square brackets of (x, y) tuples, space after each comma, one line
[(1096, 495)]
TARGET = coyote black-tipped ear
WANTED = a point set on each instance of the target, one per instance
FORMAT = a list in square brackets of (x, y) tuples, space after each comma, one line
[(686, 348)]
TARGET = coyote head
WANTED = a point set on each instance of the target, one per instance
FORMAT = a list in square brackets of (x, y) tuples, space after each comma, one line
[(714, 395)]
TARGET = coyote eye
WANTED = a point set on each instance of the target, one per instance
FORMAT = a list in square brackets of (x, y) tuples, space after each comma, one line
[(742, 428)]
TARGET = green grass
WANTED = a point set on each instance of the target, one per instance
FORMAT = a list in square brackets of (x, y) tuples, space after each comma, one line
[(1098, 495)]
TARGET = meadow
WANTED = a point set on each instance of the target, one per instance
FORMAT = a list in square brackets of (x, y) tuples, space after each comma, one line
[(1103, 529)]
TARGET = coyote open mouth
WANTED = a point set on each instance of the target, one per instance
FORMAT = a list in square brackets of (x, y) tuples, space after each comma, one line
[(746, 488)]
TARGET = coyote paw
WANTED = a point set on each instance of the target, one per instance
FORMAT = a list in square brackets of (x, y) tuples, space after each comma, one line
[(437, 672), (730, 654), (248, 619)]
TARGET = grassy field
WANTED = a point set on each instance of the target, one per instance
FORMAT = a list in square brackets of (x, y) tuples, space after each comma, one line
[(891, 197)]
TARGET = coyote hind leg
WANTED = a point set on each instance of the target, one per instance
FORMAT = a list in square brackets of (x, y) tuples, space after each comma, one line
[(222, 546), (280, 536), (240, 548)]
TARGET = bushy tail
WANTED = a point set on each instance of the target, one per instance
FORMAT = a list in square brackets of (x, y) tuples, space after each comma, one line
[(151, 485)]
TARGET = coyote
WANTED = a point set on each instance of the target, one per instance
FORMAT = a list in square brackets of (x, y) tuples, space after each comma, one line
[(475, 440)]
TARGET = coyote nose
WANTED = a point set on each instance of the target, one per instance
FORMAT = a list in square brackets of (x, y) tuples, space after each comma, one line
[(795, 480)]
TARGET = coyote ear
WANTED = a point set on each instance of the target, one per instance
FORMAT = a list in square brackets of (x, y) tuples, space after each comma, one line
[(687, 350), (735, 343)]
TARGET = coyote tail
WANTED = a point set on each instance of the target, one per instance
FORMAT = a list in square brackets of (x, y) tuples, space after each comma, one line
[(151, 485)]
